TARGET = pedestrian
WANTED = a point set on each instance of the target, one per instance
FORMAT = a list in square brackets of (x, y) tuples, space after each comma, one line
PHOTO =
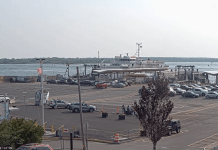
[(124, 109), (128, 108)]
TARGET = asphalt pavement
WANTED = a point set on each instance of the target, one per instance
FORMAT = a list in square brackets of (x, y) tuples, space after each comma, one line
[(198, 116)]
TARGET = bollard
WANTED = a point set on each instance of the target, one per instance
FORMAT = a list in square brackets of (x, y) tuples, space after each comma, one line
[(74, 128), (36, 124), (44, 126), (52, 128), (117, 110), (63, 129), (71, 141)]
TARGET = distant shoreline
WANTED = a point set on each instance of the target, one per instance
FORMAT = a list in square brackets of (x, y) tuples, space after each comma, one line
[(56, 60)]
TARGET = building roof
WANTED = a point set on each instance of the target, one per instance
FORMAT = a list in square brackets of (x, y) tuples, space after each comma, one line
[(129, 70), (211, 72)]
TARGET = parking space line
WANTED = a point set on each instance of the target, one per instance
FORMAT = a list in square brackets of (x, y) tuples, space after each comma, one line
[(209, 140)]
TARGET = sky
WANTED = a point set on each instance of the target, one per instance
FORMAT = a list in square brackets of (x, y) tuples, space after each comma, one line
[(81, 28)]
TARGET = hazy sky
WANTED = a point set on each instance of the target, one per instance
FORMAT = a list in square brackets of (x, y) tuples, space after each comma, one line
[(81, 28)]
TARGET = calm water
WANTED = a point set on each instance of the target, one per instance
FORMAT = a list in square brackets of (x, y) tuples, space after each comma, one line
[(53, 69)]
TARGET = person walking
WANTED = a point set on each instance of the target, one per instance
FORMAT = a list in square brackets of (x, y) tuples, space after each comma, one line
[(124, 109)]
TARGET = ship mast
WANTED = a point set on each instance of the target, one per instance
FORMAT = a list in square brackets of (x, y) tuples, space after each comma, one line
[(139, 46)]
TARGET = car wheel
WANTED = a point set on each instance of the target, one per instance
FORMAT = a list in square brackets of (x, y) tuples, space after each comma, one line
[(216, 97), (68, 107), (194, 97), (52, 107), (170, 132), (91, 110), (207, 96), (76, 110), (177, 130)]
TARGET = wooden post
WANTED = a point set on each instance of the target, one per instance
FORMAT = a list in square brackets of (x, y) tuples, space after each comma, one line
[(81, 115)]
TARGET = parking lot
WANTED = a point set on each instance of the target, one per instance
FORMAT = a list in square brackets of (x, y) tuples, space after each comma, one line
[(198, 116)]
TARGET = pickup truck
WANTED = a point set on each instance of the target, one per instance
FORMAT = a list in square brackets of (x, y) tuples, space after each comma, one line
[(200, 91)]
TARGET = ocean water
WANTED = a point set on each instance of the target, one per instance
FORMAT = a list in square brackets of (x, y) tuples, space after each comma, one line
[(48, 69), (54, 69)]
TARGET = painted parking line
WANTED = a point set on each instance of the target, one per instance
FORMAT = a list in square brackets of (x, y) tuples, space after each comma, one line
[(206, 142), (197, 109)]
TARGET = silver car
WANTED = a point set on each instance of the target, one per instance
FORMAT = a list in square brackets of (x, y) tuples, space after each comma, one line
[(58, 103), (212, 94), (75, 107)]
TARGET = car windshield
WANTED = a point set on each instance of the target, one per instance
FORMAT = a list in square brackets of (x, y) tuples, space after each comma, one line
[(23, 148)]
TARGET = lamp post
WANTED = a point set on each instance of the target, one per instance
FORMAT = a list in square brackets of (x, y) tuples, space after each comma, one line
[(42, 101), (24, 105)]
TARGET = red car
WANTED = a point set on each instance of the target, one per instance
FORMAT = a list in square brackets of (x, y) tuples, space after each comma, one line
[(34, 146), (101, 85)]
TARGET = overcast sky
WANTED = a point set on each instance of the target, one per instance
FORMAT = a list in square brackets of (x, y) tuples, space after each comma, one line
[(81, 28)]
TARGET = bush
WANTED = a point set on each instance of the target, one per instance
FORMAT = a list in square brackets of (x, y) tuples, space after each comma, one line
[(16, 132)]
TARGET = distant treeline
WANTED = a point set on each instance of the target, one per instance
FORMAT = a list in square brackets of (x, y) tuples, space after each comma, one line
[(56, 60)]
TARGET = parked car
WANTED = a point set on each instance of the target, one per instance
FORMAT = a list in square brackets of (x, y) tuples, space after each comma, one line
[(4, 97), (179, 91), (101, 85), (190, 94), (52, 81), (72, 82), (185, 87), (200, 91), (196, 85), (148, 91), (124, 82), (212, 94), (174, 125), (215, 86), (176, 85), (75, 107), (35, 146), (172, 92), (209, 87), (119, 85), (205, 88), (87, 82), (214, 89), (58, 103), (62, 81)]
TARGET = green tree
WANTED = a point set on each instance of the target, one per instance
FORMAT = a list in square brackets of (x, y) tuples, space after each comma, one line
[(16, 132), (153, 109)]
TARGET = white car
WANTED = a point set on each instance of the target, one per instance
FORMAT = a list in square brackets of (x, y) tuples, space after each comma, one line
[(212, 94), (200, 91), (3, 98)]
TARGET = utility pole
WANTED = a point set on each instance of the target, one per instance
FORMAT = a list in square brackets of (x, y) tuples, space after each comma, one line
[(42, 94), (81, 115), (139, 46), (98, 58)]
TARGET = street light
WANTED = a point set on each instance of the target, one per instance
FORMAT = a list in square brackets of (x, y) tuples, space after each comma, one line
[(41, 73), (24, 105)]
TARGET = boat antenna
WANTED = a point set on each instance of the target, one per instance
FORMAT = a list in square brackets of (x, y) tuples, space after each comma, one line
[(139, 46), (127, 54)]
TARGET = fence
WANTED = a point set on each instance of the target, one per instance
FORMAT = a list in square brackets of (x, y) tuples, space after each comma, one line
[(107, 135)]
